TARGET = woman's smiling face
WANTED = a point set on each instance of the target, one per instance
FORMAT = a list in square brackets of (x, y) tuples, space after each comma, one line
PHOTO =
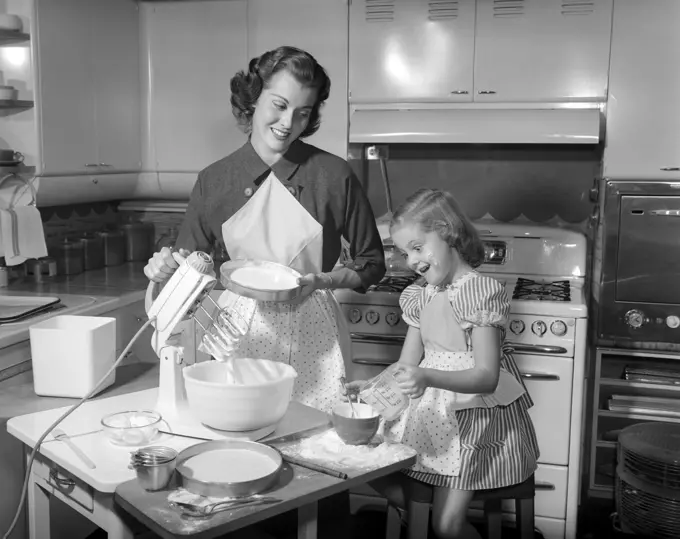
[(281, 114), (426, 253)]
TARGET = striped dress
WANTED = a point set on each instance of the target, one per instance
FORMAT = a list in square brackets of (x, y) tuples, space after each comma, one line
[(466, 442)]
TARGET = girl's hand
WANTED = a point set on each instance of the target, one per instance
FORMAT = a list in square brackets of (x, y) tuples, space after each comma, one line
[(162, 265), (353, 388), (311, 282), (411, 380)]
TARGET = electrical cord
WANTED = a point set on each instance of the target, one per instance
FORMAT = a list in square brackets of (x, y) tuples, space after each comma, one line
[(24, 489)]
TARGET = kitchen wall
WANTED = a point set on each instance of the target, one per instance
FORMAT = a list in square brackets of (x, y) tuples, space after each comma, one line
[(546, 184)]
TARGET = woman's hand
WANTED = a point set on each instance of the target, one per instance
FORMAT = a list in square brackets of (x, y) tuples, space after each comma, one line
[(313, 281), (412, 380), (162, 265)]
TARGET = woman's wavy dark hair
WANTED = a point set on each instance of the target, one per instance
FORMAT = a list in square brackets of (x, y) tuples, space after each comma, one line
[(246, 87), (437, 210)]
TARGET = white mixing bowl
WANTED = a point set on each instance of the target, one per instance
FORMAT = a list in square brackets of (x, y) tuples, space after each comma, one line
[(259, 400)]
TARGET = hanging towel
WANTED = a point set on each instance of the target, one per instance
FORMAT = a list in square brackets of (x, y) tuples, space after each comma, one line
[(22, 235)]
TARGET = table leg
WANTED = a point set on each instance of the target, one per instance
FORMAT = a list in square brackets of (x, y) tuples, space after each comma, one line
[(308, 516), (38, 511)]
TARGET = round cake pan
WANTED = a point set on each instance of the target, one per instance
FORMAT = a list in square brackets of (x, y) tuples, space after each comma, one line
[(288, 294), (227, 490)]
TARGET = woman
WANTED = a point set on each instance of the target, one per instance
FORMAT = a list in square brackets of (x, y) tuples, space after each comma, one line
[(279, 199)]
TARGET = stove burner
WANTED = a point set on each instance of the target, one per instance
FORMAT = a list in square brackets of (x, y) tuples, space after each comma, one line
[(393, 283), (528, 289)]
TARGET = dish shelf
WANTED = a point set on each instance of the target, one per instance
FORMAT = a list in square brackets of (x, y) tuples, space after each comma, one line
[(12, 37), (15, 104)]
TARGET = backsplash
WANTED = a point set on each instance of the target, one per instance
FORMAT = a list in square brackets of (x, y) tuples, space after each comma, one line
[(538, 183)]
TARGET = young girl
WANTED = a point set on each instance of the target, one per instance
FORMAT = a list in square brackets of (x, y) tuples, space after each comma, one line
[(468, 416)]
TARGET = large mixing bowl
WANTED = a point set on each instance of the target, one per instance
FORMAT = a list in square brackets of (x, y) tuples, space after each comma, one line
[(239, 395)]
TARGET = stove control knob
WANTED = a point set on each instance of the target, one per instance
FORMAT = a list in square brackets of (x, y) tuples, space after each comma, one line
[(539, 328), (372, 317), (354, 316), (634, 318), (558, 328), (392, 319), (516, 326), (672, 321)]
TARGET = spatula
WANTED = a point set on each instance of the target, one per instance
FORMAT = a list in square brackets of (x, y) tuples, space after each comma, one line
[(63, 437)]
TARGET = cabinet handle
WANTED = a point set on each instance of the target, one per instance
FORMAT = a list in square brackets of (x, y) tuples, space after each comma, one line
[(369, 361), (95, 181), (89, 165), (459, 92), (59, 482), (539, 376), (670, 169), (538, 348), (486, 92), (377, 339), (544, 485), (105, 165)]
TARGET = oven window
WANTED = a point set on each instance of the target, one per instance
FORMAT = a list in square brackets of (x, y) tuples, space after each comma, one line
[(648, 265)]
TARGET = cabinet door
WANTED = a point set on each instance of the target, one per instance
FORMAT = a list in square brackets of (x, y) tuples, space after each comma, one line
[(116, 79), (320, 27), (542, 50), (411, 50), (643, 110), (65, 93)]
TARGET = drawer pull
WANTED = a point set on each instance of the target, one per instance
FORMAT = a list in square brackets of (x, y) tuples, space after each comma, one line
[(539, 376), (544, 485), (369, 361), (540, 348), (60, 482), (377, 339)]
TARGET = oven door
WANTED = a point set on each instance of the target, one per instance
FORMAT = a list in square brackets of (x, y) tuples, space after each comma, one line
[(648, 264), (549, 381), (372, 353)]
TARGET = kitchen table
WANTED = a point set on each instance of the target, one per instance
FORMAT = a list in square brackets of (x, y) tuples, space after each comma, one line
[(58, 472), (298, 488)]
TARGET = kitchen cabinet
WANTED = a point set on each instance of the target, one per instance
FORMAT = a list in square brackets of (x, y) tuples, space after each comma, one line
[(319, 27), (612, 410), (483, 50), (643, 110), (88, 86)]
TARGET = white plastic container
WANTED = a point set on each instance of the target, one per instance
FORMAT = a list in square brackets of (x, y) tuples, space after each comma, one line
[(248, 395), (70, 354)]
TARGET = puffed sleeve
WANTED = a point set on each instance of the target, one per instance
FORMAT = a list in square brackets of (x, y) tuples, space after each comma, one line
[(366, 250), (480, 301), (194, 234), (412, 301)]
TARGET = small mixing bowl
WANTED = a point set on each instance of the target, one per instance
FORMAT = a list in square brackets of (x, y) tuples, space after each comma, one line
[(132, 427), (357, 430)]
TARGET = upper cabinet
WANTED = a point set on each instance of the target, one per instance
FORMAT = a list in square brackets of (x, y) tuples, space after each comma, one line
[(643, 110), (483, 50), (319, 27), (88, 86)]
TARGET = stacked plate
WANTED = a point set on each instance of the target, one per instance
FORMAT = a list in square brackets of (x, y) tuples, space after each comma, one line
[(648, 480)]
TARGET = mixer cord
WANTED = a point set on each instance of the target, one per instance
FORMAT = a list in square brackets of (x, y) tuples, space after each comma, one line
[(68, 412)]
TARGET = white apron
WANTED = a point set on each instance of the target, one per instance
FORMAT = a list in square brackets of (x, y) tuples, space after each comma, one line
[(312, 335)]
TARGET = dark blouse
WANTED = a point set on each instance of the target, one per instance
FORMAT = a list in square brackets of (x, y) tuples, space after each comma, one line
[(323, 183)]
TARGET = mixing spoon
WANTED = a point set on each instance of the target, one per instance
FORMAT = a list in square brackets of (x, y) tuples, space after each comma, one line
[(349, 397)]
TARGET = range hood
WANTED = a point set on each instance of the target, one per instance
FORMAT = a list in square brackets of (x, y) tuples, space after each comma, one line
[(573, 123)]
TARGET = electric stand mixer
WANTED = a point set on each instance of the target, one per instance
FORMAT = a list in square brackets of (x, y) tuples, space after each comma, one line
[(174, 309)]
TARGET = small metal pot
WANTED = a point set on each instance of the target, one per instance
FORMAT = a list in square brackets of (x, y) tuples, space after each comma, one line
[(154, 465)]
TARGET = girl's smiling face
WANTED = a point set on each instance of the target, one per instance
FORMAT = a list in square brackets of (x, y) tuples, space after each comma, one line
[(426, 253)]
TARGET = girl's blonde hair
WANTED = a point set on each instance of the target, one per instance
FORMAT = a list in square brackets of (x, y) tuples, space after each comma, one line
[(436, 210)]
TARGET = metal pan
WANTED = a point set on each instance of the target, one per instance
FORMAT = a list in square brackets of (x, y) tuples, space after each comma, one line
[(221, 489), (260, 294)]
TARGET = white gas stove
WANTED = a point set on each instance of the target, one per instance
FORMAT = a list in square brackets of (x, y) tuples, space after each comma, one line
[(543, 270)]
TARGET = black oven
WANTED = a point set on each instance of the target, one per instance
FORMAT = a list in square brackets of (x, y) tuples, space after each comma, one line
[(639, 297)]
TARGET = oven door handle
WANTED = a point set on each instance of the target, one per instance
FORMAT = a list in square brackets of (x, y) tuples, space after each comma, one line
[(540, 348), (372, 361), (665, 213), (377, 339), (539, 376)]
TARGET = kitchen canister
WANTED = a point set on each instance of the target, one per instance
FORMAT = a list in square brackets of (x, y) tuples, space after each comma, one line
[(139, 241), (41, 268), (114, 247), (70, 354), (93, 251), (70, 257)]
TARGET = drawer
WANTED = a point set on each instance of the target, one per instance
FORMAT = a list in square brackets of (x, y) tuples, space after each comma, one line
[(551, 493), (59, 481), (549, 381)]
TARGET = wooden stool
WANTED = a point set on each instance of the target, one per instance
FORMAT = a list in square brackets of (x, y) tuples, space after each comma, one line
[(419, 496)]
